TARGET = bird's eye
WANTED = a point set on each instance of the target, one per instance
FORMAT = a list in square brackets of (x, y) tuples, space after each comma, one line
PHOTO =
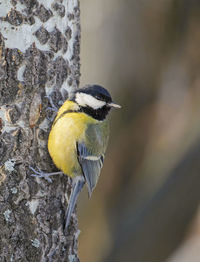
[(98, 97)]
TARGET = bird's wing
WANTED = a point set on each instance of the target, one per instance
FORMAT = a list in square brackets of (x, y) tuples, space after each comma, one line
[(90, 164)]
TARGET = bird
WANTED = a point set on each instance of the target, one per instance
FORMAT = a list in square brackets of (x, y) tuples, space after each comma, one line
[(78, 140)]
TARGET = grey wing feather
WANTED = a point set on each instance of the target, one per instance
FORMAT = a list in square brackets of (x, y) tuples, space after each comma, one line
[(91, 166)]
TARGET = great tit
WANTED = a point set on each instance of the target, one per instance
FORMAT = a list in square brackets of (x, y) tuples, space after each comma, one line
[(78, 139)]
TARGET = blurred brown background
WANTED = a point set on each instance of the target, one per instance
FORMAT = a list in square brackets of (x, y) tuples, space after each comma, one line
[(145, 207)]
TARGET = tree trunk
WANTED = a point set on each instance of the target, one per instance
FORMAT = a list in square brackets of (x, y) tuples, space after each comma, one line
[(39, 57)]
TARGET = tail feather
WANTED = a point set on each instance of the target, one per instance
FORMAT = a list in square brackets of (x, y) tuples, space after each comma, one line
[(78, 183)]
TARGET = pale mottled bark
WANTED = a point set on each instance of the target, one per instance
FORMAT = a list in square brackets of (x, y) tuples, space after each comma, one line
[(39, 56)]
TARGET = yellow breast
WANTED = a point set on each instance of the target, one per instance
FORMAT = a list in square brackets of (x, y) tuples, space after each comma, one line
[(68, 128)]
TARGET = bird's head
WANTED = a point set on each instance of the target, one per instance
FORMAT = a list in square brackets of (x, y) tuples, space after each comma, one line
[(95, 101)]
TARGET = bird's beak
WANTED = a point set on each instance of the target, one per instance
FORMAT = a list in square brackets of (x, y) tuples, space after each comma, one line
[(114, 105)]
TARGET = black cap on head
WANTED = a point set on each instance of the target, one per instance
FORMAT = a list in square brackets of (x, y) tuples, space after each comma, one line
[(96, 91)]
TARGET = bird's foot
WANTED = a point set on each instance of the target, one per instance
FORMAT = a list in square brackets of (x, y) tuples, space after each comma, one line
[(52, 108), (41, 174)]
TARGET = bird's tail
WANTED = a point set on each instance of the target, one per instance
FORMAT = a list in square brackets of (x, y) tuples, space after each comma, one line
[(78, 183)]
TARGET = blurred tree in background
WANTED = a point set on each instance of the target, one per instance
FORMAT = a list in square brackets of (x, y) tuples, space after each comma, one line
[(147, 53)]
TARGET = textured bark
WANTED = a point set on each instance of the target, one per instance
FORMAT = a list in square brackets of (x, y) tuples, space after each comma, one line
[(39, 56)]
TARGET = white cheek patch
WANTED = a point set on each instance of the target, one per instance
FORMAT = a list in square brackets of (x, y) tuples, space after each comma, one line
[(88, 100)]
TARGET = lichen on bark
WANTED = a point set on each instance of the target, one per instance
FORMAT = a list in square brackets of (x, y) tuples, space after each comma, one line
[(39, 57)]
